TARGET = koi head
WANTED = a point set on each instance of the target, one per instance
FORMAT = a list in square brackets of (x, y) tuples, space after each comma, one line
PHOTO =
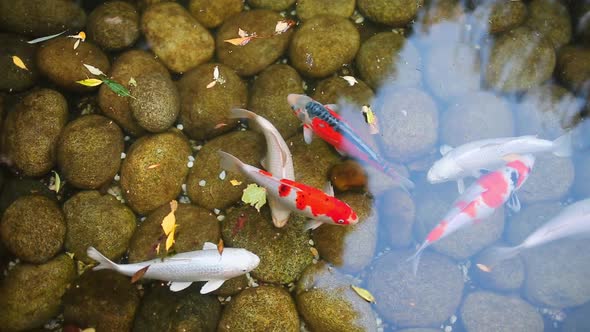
[(239, 261), (299, 104), (443, 170), (522, 167), (343, 214)]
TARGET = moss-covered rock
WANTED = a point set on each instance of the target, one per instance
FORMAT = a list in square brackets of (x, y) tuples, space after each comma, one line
[(89, 151), (114, 25), (30, 133), (13, 77), (501, 15), (573, 67), (156, 103), (308, 51), (31, 294), (307, 9), (17, 187), (508, 275), (104, 300), (33, 228), (41, 17), (212, 14), (397, 14), (551, 19), (332, 89), (452, 71), (100, 221), (312, 161), (276, 5), (145, 186), (176, 37)]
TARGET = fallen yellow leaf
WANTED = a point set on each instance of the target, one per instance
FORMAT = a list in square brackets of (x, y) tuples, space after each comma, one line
[(314, 252), (235, 182), (170, 239), (365, 294), (90, 82), (240, 41), (169, 224), (19, 62)]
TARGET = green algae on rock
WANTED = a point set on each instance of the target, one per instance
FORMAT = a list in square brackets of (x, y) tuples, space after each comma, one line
[(155, 103), (195, 227), (205, 108), (17, 187), (33, 228), (397, 13), (312, 161), (100, 221), (105, 300), (154, 170), (333, 89), (232, 286), (162, 310), (176, 37), (30, 133), (31, 294), (14, 78), (89, 151), (276, 5), (212, 14), (308, 52), (573, 67), (307, 9), (551, 19), (114, 25), (41, 17), (284, 252), (326, 301), (500, 16), (263, 308)]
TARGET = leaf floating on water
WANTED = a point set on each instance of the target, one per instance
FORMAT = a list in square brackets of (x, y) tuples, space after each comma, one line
[(211, 84), (132, 81), (235, 182), (81, 267), (117, 88), (93, 70), (254, 195), (137, 275), (169, 225), (42, 39), (220, 246), (90, 82), (70, 254), (76, 44), (484, 268), (365, 294), (371, 119), (216, 72), (57, 183), (241, 41), (153, 166), (283, 26), (351, 80), (19, 62)]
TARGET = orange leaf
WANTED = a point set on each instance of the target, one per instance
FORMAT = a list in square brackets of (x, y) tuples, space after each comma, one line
[(19, 62), (220, 246), (137, 275), (240, 41)]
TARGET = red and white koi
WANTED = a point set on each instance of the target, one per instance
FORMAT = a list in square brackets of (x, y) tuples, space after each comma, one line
[(332, 128), (480, 200), (298, 197)]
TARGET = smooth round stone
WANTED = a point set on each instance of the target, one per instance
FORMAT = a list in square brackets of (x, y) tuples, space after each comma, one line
[(508, 275), (268, 97), (33, 228), (308, 159), (15, 187), (442, 23), (395, 13), (389, 58), (258, 53), (212, 14), (14, 78), (307, 9), (530, 218), (128, 65), (476, 116), (176, 37), (500, 16), (156, 102), (519, 60), (41, 17), (573, 67), (31, 131), (263, 308), (416, 122), (551, 19), (308, 51), (397, 214), (337, 88), (114, 25), (350, 248), (348, 175), (276, 5), (426, 299), (489, 312), (551, 179), (89, 151), (582, 177), (63, 65), (452, 71)]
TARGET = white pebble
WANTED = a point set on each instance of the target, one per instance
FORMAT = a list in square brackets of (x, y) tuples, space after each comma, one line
[(311, 242), (117, 177), (127, 138), (448, 328), (183, 187), (190, 164), (191, 158), (222, 175), (220, 218), (453, 319), (123, 155), (202, 183), (216, 211), (180, 126)]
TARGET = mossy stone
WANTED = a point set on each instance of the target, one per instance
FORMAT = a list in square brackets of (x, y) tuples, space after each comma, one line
[(276, 5), (308, 51), (13, 77), (33, 228), (63, 65), (212, 14), (31, 132), (551, 19), (264, 308), (307, 9), (331, 90), (573, 67), (100, 221), (195, 227), (89, 151), (204, 186), (176, 37), (41, 17), (452, 71), (502, 15), (156, 103), (205, 108), (105, 300), (114, 25), (312, 161), (394, 13), (147, 187), (551, 180), (257, 54), (32, 294), (17, 187)]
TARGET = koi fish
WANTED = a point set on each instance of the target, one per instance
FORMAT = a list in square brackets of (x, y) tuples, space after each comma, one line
[(185, 268), (573, 221), (278, 159), (468, 159), (479, 201), (329, 125), (298, 197)]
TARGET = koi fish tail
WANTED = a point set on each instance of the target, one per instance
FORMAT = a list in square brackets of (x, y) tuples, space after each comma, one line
[(495, 255), (406, 183), (415, 258), (229, 162), (103, 262), (562, 146)]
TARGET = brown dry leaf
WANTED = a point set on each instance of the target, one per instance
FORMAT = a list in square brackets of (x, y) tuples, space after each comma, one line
[(240, 41), (19, 62), (220, 246), (365, 294), (484, 268), (137, 275)]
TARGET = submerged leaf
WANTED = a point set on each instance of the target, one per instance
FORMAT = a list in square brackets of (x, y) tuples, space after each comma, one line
[(365, 294), (240, 41), (211, 84), (220, 246), (137, 275), (93, 70), (283, 25), (235, 182), (351, 80), (132, 81), (371, 119), (254, 195), (90, 82), (42, 39), (76, 44), (56, 183), (484, 268), (19, 62), (117, 88), (169, 225)]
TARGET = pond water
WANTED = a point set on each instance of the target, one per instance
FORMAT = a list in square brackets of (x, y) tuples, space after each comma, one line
[(112, 115)]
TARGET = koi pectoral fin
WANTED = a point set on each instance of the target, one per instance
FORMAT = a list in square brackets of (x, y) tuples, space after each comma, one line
[(307, 134), (177, 286), (312, 224), (513, 203), (211, 285)]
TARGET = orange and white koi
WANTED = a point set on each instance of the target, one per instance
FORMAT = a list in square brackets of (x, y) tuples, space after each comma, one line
[(480, 200), (298, 197), (331, 127)]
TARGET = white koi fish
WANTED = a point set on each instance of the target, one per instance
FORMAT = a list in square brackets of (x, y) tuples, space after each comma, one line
[(470, 158), (185, 268), (480, 200), (278, 160), (573, 221)]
